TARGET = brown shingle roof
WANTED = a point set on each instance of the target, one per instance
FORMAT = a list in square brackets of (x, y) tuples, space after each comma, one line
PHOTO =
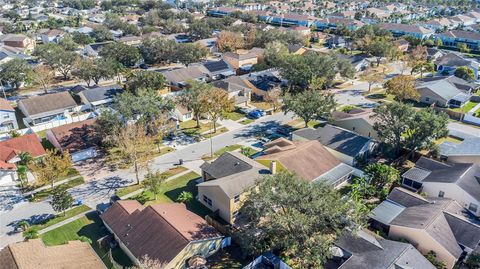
[(309, 159), (49, 102), (160, 231), (75, 136), (33, 254), (5, 105)]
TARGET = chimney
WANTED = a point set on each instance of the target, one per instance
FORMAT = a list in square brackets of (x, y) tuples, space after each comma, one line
[(273, 167)]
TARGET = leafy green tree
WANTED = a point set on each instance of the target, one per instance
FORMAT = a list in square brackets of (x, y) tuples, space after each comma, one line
[(361, 189), (465, 72), (30, 233), (462, 47), (82, 39), (188, 53), (52, 166), (153, 182), (24, 225), (61, 200), (400, 126), (402, 87), (473, 261), (157, 50), (122, 53), (309, 105), (145, 80), (381, 48), (215, 102), (57, 58), (200, 29), (298, 219), (15, 72), (431, 256), (102, 34), (185, 197), (68, 43), (190, 98)]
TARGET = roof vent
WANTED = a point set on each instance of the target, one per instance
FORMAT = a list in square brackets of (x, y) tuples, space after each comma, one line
[(237, 163)]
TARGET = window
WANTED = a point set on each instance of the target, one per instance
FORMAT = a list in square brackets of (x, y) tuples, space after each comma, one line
[(473, 207), (6, 116), (441, 194), (427, 99), (353, 129), (236, 199), (212, 247), (207, 200)]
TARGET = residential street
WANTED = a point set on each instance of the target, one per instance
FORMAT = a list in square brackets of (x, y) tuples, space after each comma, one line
[(99, 191)]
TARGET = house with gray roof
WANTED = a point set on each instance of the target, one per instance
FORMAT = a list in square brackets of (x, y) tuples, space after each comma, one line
[(100, 96), (345, 145), (449, 62), (358, 249), (226, 183), (177, 78), (466, 151), (448, 91), (458, 181), (454, 38), (218, 69), (238, 89), (436, 224), (46, 108)]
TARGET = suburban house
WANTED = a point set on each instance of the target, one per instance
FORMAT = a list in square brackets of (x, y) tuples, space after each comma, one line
[(454, 38), (33, 254), (77, 138), (448, 63), (178, 78), (20, 41), (93, 50), (10, 151), (445, 91), (8, 120), (290, 19), (218, 69), (267, 260), (333, 23), (243, 61), (46, 108), (360, 121), (98, 97), (182, 114), (458, 181), (466, 151), (51, 35), (226, 182), (355, 250), (264, 81), (429, 223), (400, 29), (345, 145), (308, 159), (238, 89), (165, 232), (209, 44)]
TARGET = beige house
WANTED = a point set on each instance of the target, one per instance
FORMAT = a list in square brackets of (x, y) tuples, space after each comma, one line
[(308, 159), (359, 121), (226, 181), (33, 254), (244, 59), (429, 223), (19, 41), (168, 233)]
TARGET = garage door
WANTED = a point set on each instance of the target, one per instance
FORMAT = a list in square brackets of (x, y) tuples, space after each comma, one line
[(84, 154)]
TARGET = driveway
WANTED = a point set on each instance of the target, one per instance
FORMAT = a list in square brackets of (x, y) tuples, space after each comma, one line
[(353, 95)]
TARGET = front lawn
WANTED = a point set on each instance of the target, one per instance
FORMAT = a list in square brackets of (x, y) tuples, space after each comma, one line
[(246, 121), (91, 227), (190, 127), (227, 148), (61, 217), (234, 115), (129, 189), (44, 194), (219, 131), (114, 155), (467, 107), (170, 191)]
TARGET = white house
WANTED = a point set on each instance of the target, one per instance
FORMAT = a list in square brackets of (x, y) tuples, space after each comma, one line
[(8, 120)]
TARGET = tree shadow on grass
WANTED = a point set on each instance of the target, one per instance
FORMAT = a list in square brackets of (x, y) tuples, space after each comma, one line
[(192, 205)]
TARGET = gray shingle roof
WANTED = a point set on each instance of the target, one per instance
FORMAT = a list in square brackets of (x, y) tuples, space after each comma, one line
[(468, 147), (416, 174), (48, 103), (386, 211), (366, 250), (101, 93), (336, 138)]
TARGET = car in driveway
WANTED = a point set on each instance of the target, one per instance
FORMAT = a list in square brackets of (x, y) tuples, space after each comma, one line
[(255, 114)]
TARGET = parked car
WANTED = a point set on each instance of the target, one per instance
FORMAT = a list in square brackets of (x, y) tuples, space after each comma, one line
[(255, 114), (143, 66)]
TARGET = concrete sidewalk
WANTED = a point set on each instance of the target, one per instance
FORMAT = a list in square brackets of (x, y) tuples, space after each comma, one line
[(61, 223)]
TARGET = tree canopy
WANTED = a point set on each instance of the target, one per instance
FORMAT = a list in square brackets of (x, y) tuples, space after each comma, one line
[(309, 105)]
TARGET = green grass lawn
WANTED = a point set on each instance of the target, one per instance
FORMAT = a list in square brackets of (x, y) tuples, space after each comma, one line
[(91, 227), (234, 115), (60, 217), (246, 121), (171, 172), (227, 148), (220, 130), (467, 107), (44, 194), (190, 127), (261, 105), (171, 190)]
